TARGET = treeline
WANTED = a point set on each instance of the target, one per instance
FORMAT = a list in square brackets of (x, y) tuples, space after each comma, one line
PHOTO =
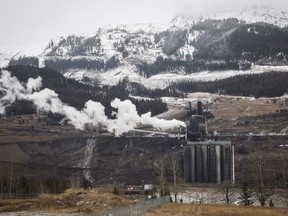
[(75, 46), (21, 186), (162, 64), (63, 64), (25, 60), (29, 186), (271, 84), (74, 93)]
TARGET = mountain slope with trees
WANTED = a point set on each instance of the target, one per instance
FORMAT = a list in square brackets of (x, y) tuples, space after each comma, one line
[(272, 84), (185, 46)]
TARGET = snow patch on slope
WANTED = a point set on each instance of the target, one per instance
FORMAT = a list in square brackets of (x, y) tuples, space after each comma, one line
[(162, 81), (251, 15), (138, 27)]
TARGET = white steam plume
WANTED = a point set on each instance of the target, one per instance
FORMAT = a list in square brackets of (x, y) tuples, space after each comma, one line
[(93, 113), (34, 84), (10, 88)]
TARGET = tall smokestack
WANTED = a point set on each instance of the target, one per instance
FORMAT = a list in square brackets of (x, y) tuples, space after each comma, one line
[(190, 106), (199, 108)]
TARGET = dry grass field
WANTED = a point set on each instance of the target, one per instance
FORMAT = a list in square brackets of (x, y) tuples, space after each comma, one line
[(177, 209), (230, 108), (72, 201), (245, 115)]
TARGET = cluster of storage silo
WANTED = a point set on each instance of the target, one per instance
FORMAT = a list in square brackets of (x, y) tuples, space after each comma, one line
[(209, 162)]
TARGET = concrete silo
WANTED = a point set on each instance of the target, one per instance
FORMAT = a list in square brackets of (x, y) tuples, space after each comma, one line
[(209, 162)]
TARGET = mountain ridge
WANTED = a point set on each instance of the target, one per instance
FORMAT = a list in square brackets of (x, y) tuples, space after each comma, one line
[(249, 15), (185, 47)]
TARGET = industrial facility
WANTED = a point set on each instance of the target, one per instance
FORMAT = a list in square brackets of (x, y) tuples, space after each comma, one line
[(206, 161)]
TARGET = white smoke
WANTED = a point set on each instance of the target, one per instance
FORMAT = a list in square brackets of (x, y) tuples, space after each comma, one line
[(93, 113), (11, 89), (34, 84)]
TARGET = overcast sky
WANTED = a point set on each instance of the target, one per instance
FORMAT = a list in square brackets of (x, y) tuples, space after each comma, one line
[(25, 22)]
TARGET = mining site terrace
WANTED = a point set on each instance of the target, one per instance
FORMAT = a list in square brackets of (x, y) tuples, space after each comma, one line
[(253, 126)]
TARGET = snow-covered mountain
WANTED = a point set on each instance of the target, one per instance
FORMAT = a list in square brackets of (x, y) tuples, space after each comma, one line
[(206, 47), (265, 14)]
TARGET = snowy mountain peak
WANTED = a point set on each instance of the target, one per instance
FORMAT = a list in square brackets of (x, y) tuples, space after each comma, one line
[(137, 27), (255, 14)]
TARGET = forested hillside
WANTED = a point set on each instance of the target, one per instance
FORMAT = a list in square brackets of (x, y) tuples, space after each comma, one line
[(231, 40), (272, 84)]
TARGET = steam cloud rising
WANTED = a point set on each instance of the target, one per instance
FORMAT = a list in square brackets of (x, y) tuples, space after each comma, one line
[(92, 113)]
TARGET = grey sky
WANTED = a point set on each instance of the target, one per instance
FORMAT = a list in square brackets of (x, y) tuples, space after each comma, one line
[(32, 21)]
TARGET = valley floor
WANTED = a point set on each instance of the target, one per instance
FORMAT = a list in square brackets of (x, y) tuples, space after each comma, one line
[(215, 210)]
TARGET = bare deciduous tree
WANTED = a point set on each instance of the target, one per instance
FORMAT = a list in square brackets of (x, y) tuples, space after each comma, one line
[(262, 177), (11, 171), (246, 194), (160, 169), (226, 188), (174, 169)]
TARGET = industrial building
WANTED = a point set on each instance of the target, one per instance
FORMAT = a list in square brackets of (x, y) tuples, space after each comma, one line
[(206, 161)]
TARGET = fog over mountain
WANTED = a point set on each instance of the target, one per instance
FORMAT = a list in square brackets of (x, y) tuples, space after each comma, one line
[(34, 21)]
